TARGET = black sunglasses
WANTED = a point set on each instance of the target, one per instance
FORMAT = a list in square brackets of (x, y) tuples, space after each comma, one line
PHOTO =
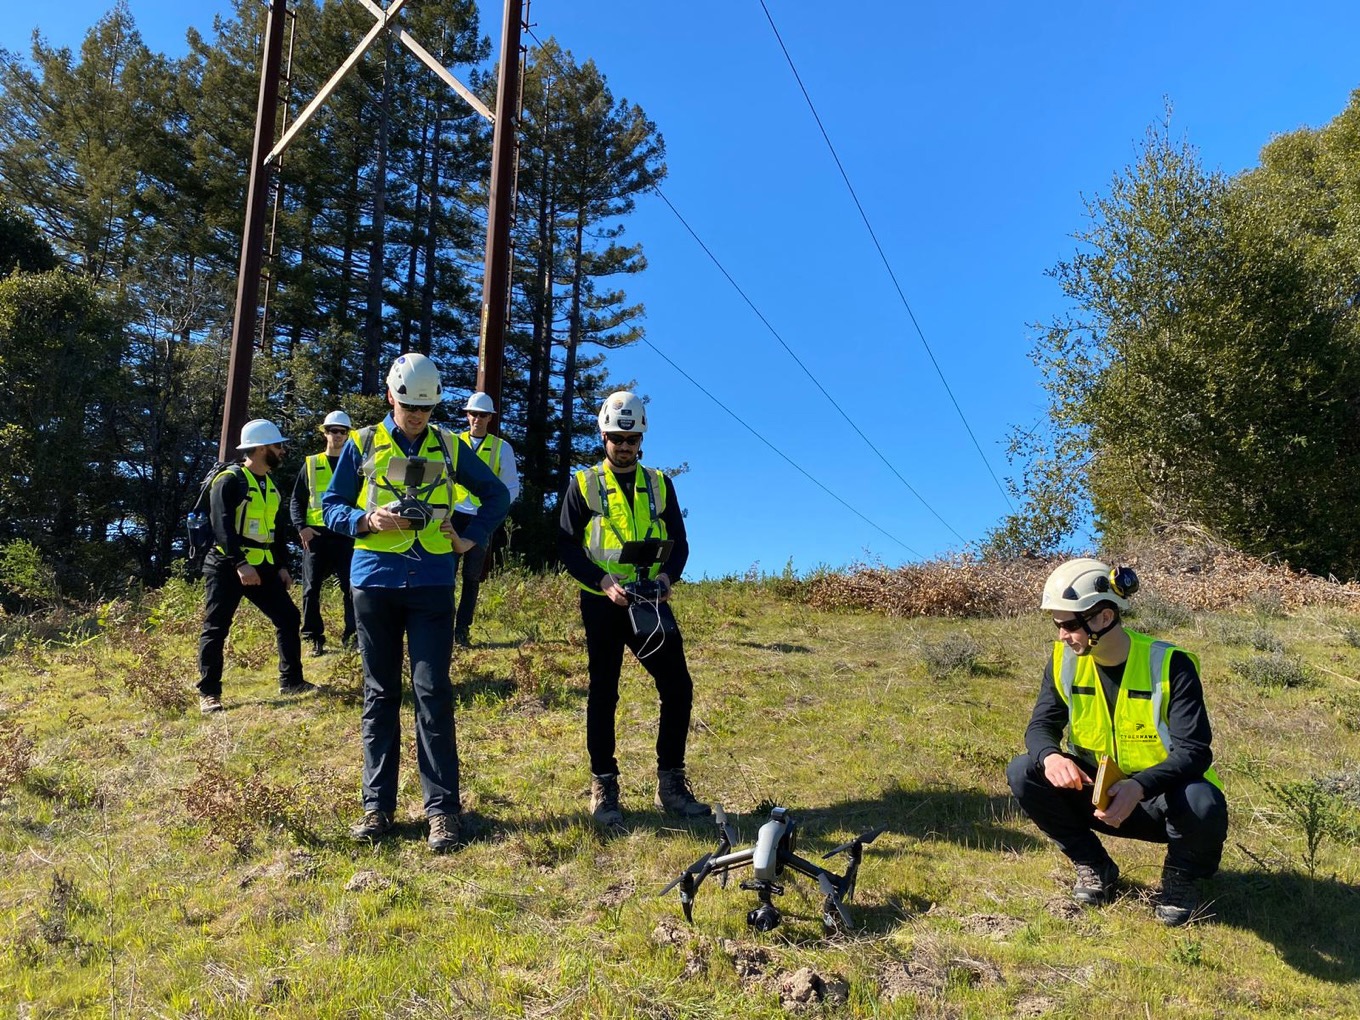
[(337, 430), (1073, 624), (619, 440), (423, 408), (478, 414)]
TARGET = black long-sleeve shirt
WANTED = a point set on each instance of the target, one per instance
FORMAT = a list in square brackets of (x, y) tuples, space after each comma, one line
[(224, 497), (300, 502), (575, 516), (1187, 719)]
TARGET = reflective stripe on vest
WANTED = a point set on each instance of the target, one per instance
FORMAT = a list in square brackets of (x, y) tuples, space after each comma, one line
[(613, 522), (260, 507), (376, 450), (490, 453), (1140, 709), (318, 477)]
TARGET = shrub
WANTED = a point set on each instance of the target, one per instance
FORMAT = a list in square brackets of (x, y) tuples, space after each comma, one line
[(956, 653), (26, 576), (1273, 670), (16, 754), (1152, 613)]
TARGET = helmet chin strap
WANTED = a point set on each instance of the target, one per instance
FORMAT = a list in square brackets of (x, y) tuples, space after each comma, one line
[(1093, 636)]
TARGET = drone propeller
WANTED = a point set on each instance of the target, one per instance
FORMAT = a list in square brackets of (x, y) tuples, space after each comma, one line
[(833, 900), (861, 840), (727, 838), (688, 873)]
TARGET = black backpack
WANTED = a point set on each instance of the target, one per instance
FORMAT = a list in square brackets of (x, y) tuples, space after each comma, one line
[(198, 525)]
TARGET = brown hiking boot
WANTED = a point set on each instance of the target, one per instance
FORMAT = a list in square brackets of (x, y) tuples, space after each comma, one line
[(1179, 898), (1095, 884), (210, 703), (674, 796), (604, 800), (444, 831), (373, 825)]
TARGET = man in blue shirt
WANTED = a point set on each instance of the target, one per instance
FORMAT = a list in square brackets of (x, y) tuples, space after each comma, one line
[(393, 491)]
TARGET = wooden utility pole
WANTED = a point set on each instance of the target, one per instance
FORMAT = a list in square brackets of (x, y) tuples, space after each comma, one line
[(247, 313), (496, 277)]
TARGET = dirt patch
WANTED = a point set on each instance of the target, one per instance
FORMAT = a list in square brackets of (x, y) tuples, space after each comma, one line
[(805, 989), (1035, 1005), (997, 927), (909, 978), (367, 881), (297, 866), (617, 893), (670, 932), (750, 961)]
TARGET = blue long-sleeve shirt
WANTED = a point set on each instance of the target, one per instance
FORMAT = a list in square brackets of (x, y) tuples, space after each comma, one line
[(417, 567)]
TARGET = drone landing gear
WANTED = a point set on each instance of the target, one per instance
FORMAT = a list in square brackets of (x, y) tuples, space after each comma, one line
[(765, 917)]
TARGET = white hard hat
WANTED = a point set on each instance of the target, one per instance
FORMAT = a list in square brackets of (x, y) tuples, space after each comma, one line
[(414, 379), (259, 432), (337, 418), (623, 412), (1079, 584), (480, 401)]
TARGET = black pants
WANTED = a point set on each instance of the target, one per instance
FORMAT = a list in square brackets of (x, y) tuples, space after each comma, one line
[(608, 632), (329, 556), (1192, 820), (470, 566), (224, 592), (423, 619)]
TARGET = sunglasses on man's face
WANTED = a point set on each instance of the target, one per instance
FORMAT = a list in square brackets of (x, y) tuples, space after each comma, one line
[(418, 408), (1076, 623), (337, 431), (478, 414), (619, 440)]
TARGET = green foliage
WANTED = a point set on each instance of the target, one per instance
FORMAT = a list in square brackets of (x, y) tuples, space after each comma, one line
[(1316, 814), (958, 653), (26, 576), (1202, 379), (1153, 614), (1273, 671)]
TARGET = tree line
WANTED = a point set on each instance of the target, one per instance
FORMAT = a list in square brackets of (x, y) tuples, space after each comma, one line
[(122, 189), (1204, 378)]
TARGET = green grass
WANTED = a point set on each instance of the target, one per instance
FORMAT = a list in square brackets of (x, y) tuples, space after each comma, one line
[(154, 863)]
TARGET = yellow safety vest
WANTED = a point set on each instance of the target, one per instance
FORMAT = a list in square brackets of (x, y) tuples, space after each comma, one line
[(255, 516), (614, 522), (376, 450), (490, 452), (1139, 736), (318, 477)]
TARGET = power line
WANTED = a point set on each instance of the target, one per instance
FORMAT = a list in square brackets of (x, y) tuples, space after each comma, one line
[(776, 335), (883, 255), (810, 477)]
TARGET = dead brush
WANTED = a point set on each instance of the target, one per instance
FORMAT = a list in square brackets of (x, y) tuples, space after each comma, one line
[(16, 754), (236, 808), (151, 681)]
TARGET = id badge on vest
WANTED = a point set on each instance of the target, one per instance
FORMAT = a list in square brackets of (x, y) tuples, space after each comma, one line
[(253, 528)]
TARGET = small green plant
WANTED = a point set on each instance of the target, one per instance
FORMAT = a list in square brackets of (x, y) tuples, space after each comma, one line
[(26, 575), (1316, 813), (1188, 952), (1272, 671), (235, 808), (1155, 614), (1267, 605), (1351, 635), (150, 680), (1263, 639), (953, 654)]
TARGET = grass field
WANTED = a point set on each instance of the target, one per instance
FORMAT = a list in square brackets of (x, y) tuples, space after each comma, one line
[(156, 863)]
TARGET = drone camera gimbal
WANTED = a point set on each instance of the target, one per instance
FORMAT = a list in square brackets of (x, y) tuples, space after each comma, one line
[(773, 853)]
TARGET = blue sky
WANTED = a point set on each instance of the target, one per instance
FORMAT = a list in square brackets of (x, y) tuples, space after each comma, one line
[(970, 134)]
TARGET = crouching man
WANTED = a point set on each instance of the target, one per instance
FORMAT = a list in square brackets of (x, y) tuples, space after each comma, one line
[(1139, 701)]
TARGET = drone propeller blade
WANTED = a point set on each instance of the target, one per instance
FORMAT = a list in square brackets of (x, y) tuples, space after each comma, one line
[(833, 899), (689, 873), (862, 839)]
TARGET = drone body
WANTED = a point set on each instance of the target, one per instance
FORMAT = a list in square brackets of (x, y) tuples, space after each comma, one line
[(771, 855)]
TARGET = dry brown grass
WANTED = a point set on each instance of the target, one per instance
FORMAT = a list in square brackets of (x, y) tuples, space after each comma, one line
[(1194, 577)]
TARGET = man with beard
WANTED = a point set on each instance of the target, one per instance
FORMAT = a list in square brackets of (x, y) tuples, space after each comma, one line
[(247, 561), (605, 506)]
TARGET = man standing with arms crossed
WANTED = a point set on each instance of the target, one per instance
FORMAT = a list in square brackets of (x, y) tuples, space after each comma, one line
[(324, 553), (604, 506), (393, 491), (498, 455)]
